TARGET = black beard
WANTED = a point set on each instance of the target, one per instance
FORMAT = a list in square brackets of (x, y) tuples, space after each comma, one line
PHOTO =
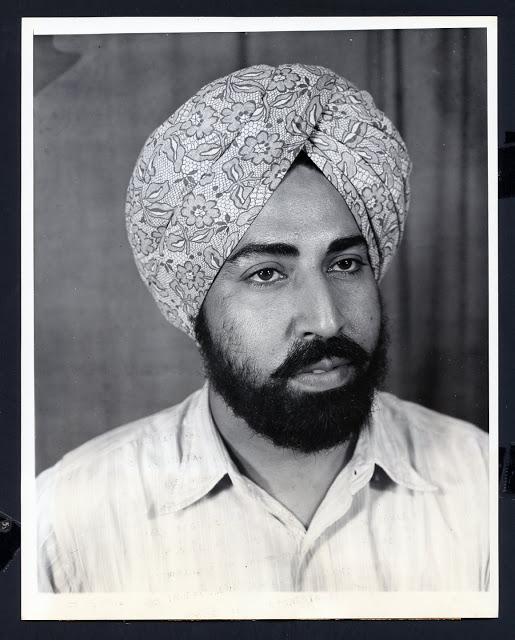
[(302, 421)]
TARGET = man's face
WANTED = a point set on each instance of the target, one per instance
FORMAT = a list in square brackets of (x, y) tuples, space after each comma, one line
[(290, 328)]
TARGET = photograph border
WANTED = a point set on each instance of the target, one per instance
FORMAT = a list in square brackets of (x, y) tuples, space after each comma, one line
[(347, 605)]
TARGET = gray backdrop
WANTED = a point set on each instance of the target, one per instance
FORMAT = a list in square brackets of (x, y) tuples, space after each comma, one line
[(104, 354)]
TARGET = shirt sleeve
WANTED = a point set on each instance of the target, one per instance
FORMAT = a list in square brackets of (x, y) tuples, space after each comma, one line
[(52, 576), (485, 520)]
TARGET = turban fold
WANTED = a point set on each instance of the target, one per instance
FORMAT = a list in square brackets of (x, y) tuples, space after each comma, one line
[(204, 175)]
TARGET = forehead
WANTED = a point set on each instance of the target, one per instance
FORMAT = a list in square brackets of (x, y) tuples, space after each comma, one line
[(305, 209)]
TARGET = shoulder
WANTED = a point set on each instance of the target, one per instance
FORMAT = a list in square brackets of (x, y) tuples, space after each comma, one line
[(430, 423), (121, 452), (84, 498), (447, 449), (452, 456)]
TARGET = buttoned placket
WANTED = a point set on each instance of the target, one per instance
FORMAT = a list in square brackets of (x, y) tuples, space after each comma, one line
[(273, 508), (333, 507)]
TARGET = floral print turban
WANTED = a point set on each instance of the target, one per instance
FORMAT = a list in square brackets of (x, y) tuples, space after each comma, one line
[(205, 174)]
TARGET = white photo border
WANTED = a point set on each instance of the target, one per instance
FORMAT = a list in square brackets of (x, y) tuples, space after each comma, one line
[(212, 606)]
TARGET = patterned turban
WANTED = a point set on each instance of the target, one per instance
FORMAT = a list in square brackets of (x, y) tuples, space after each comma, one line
[(205, 174)]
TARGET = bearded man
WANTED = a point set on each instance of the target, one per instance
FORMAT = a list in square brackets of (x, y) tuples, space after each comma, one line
[(262, 215)]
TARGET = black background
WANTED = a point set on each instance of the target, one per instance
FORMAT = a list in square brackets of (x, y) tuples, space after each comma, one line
[(10, 109)]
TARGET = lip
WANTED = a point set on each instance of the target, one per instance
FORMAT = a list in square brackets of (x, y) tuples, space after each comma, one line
[(324, 375), (324, 366)]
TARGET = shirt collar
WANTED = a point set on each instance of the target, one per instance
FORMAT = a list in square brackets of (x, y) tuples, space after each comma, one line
[(387, 444), (204, 459)]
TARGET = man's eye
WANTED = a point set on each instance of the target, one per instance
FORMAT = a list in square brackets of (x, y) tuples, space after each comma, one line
[(265, 276), (346, 265)]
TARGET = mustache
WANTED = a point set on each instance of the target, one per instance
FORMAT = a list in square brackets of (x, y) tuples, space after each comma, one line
[(305, 354)]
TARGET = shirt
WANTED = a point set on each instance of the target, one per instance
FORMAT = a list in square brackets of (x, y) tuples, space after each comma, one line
[(159, 505)]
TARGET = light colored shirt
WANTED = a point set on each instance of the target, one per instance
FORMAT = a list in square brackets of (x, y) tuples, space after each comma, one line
[(158, 505)]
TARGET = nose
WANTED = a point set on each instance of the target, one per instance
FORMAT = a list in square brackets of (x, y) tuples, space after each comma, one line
[(317, 312)]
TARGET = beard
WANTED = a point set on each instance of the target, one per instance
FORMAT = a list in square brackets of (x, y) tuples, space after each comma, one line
[(302, 421)]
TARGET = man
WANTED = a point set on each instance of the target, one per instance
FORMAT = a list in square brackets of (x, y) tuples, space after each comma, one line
[(262, 215)]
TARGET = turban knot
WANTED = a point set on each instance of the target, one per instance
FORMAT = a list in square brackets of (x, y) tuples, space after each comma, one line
[(204, 175)]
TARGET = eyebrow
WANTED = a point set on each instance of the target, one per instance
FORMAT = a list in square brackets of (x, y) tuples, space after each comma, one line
[(289, 250), (340, 244), (274, 249)]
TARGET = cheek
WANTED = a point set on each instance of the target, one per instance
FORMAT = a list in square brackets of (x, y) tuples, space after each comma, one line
[(248, 331), (260, 331), (364, 315), (372, 318)]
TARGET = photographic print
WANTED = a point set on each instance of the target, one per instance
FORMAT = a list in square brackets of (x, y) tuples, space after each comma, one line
[(259, 375)]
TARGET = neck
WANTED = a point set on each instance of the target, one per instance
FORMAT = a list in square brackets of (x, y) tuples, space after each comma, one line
[(298, 480)]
